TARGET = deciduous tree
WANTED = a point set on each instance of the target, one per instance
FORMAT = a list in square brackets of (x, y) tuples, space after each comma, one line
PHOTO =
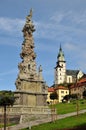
[(6, 99)]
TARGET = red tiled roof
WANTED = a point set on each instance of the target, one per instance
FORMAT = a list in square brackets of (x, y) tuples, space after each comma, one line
[(51, 89), (80, 83), (82, 80), (73, 86), (61, 87)]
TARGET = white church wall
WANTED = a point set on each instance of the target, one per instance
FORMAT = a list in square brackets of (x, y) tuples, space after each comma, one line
[(80, 74), (69, 79)]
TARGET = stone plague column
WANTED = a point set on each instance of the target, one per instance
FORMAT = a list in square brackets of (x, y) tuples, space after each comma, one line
[(30, 86)]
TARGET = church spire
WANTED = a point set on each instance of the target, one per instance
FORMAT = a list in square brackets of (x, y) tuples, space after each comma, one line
[(60, 47), (60, 56)]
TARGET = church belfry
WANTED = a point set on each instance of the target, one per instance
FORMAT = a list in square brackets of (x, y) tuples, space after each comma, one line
[(60, 69)]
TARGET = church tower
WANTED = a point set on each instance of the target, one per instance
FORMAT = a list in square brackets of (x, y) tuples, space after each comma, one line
[(30, 86), (60, 69)]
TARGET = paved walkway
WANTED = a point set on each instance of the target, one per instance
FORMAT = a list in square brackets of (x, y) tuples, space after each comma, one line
[(37, 122)]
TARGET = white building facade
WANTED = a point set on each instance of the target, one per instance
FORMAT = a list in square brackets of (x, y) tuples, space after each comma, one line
[(63, 75), (60, 69)]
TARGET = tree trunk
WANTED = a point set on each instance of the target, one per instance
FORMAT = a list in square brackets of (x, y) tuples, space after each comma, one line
[(5, 117), (77, 107)]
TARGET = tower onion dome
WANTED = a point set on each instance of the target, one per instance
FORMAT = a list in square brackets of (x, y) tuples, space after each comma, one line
[(61, 55)]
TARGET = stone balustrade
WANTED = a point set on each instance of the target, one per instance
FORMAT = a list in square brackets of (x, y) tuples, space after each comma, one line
[(26, 110)]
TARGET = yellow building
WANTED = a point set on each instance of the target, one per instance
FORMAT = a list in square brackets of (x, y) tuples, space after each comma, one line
[(61, 91), (50, 101)]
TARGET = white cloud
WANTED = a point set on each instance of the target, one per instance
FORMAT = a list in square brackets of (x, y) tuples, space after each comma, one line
[(70, 46), (63, 26), (59, 17), (80, 18), (75, 55), (69, 17), (75, 47), (11, 31), (10, 72), (11, 25)]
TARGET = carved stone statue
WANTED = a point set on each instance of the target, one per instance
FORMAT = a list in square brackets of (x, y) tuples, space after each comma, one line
[(29, 27), (28, 18), (30, 83)]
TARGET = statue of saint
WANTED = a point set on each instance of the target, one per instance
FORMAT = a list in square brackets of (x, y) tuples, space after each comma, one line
[(28, 18)]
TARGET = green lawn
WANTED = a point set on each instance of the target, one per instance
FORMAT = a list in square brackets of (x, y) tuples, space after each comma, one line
[(2, 125), (63, 108), (68, 122)]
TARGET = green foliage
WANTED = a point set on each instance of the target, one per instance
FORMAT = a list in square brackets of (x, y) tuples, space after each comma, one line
[(53, 96), (10, 124), (6, 98), (84, 94), (70, 97), (74, 96), (66, 97)]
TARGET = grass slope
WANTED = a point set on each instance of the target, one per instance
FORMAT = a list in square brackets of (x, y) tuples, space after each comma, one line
[(63, 108), (69, 122)]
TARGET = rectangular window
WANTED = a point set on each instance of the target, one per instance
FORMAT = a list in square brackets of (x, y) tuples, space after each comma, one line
[(62, 91)]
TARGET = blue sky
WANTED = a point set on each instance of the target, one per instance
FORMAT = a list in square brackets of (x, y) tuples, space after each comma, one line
[(56, 22)]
